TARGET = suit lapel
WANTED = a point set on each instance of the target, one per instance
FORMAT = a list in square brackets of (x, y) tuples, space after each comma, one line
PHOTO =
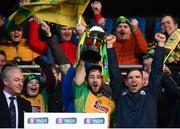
[(4, 105), (20, 112)]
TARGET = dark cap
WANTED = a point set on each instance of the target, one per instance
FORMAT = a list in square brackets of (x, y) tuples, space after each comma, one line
[(122, 19)]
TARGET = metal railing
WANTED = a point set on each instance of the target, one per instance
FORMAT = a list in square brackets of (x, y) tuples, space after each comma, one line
[(28, 66), (120, 66), (23, 67), (129, 66), (37, 67)]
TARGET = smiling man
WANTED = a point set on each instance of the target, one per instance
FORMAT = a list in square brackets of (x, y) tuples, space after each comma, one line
[(169, 26), (136, 104), (130, 43), (12, 78)]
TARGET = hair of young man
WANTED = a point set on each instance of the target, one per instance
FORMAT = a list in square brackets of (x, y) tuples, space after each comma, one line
[(134, 69), (94, 67)]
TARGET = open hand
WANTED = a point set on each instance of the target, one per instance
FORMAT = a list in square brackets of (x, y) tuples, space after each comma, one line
[(45, 27)]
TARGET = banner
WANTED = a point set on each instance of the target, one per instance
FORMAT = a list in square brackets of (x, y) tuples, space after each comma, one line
[(64, 12), (65, 120)]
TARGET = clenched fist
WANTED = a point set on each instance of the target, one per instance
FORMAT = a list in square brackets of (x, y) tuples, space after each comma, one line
[(161, 38)]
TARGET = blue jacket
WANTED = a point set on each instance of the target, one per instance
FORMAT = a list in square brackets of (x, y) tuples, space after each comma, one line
[(68, 91)]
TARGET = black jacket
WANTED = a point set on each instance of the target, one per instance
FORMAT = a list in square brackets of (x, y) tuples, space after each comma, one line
[(136, 109), (23, 106)]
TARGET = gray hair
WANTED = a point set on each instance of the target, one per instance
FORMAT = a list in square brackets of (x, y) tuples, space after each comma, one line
[(7, 70)]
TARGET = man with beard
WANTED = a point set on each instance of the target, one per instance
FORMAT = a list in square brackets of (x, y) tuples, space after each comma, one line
[(88, 94), (130, 43)]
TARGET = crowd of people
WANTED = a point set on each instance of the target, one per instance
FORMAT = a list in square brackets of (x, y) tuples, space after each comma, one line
[(144, 97)]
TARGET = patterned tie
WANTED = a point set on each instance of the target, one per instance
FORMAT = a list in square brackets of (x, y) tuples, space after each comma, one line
[(12, 112)]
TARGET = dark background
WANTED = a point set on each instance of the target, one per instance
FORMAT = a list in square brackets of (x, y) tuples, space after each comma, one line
[(145, 8), (115, 8)]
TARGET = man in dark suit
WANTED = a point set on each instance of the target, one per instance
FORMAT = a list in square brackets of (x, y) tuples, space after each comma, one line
[(12, 79)]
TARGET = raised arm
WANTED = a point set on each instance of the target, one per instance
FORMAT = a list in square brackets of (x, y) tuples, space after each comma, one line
[(67, 85), (80, 73), (68, 90), (59, 56), (116, 81), (34, 42), (141, 44), (50, 79), (156, 73), (96, 8)]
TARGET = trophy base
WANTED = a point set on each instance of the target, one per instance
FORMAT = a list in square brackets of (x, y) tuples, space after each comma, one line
[(91, 56)]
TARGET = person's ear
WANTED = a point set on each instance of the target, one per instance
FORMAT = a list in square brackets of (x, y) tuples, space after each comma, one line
[(176, 26), (5, 82)]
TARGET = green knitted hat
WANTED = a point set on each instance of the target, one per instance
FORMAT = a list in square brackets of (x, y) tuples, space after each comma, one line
[(122, 19)]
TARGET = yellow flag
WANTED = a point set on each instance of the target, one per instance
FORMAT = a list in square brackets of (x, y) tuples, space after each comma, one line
[(64, 12)]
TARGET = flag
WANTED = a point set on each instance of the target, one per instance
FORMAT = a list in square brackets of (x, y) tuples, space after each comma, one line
[(18, 17), (104, 59), (64, 12)]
